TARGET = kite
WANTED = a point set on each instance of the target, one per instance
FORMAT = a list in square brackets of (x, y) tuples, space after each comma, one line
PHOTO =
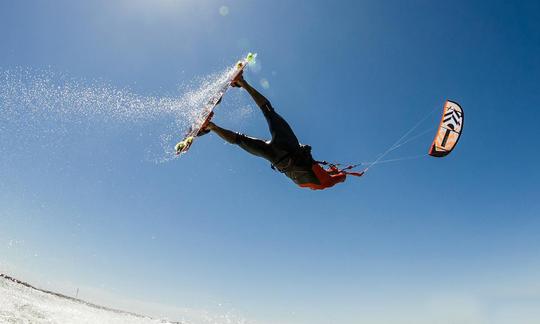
[(449, 130)]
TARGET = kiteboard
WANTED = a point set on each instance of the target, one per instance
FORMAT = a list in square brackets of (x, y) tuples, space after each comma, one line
[(208, 111)]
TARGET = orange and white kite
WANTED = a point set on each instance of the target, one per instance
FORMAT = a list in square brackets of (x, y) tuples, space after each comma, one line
[(449, 130)]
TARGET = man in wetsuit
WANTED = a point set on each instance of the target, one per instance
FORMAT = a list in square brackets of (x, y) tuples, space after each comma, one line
[(283, 151)]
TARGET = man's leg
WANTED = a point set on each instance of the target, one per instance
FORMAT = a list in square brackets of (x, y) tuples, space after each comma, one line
[(252, 145), (282, 134)]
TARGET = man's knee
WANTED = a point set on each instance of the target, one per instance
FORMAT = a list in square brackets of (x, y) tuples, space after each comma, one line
[(252, 145), (239, 138)]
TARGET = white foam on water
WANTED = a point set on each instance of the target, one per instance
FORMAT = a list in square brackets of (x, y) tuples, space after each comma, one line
[(34, 104), (22, 304)]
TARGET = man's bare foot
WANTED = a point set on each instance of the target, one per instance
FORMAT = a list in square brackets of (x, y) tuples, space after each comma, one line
[(239, 81), (206, 129)]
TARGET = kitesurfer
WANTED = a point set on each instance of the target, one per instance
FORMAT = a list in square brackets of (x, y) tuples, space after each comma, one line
[(284, 151)]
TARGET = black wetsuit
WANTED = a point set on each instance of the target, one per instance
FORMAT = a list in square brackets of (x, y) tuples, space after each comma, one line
[(283, 151)]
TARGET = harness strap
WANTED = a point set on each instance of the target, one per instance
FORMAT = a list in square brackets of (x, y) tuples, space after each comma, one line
[(344, 170), (356, 174)]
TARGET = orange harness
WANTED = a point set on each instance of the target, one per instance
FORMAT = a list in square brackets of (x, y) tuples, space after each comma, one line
[(329, 177)]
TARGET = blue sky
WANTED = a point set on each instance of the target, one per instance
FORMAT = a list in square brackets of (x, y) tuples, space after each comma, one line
[(417, 241)]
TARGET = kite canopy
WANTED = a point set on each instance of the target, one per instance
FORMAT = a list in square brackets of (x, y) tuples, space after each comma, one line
[(449, 130)]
